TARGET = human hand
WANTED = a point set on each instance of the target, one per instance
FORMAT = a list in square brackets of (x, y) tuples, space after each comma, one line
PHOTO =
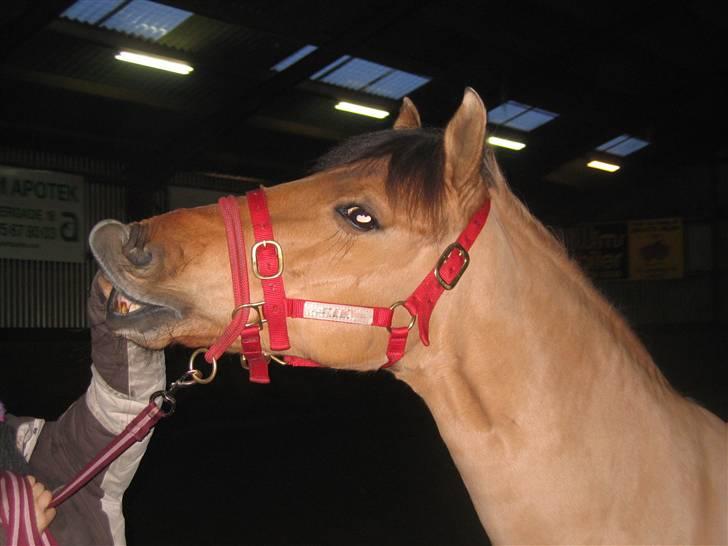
[(41, 499)]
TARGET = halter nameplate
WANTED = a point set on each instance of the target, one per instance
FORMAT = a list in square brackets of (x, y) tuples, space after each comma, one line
[(335, 312)]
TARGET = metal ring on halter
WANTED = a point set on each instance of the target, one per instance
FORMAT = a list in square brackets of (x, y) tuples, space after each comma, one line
[(269, 356), (258, 308), (413, 317), (196, 375)]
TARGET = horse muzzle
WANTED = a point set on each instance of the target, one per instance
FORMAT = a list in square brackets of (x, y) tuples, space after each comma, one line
[(125, 261)]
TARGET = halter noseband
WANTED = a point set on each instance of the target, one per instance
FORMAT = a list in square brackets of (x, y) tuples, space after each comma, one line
[(267, 265)]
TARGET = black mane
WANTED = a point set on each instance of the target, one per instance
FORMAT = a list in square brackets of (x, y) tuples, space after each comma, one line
[(414, 159)]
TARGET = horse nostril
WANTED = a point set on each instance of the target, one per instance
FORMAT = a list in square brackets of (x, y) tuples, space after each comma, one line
[(139, 257), (135, 247)]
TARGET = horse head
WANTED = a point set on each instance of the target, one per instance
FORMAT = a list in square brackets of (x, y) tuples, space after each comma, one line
[(363, 229)]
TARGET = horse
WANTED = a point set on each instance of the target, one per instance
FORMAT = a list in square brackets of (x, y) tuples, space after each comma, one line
[(558, 420)]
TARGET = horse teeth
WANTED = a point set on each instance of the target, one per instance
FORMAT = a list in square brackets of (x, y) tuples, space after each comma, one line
[(124, 306)]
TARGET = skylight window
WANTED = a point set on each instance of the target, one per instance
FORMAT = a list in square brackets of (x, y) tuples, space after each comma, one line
[(520, 116), (369, 77), (360, 75), (622, 146), (330, 68), (355, 74), (396, 84), (294, 58), (141, 18), (91, 11)]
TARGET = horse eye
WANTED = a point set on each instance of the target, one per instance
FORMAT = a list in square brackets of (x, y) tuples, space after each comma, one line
[(358, 217)]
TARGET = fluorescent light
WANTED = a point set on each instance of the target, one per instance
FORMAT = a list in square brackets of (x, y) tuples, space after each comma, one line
[(602, 166), (160, 63), (505, 143), (361, 110)]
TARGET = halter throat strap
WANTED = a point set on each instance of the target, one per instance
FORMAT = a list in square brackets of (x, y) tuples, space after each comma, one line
[(447, 273)]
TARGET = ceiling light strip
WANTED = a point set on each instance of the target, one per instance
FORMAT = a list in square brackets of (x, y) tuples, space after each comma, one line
[(160, 63), (603, 166), (505, 143), (361, 110)]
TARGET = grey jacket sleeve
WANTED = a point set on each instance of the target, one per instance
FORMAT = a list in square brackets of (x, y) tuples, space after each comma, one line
[(123, 377)]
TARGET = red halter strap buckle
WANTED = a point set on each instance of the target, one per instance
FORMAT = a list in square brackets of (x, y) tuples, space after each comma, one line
[(266, 258), (267, 264)]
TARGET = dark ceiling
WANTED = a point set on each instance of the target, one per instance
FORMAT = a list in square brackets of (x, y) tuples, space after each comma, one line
[(606, 68)]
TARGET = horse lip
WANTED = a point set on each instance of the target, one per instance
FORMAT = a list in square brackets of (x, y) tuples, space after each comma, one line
[(119, 284), (138, 320)]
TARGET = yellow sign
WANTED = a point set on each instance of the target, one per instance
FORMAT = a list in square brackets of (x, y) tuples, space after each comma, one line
[(656, 249)]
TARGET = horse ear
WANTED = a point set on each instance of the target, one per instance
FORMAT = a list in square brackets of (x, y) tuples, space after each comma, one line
[(464, 142), (409, 117)]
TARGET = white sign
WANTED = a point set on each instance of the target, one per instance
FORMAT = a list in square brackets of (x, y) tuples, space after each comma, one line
[(41, 215), (338, 313)]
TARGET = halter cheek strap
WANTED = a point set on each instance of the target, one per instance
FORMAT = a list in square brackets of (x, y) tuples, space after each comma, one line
[(267, 264)]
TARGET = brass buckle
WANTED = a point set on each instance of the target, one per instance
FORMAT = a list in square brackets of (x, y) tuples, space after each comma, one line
[(258, 308), (413, 318), (254, 259), (443, 258)]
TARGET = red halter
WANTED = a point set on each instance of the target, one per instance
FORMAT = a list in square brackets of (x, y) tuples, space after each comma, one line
[(267, 265)]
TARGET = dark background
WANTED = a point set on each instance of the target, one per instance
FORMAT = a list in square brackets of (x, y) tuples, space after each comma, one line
[(320, 456)]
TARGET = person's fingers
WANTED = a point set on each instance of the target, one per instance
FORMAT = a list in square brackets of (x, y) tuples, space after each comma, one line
[(50, 513), (38, 489), (31, 479), (42, 498), (43, 518)]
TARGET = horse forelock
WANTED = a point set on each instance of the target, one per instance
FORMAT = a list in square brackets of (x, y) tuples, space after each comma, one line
[(412, 161)]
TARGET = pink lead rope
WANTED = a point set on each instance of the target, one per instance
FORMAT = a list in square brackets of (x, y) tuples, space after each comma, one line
[(134, 432)]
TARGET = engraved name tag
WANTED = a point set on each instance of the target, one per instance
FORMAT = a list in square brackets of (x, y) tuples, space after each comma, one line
[(338, 313)]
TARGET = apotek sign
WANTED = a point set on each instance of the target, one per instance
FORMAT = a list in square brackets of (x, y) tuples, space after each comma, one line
[(41, 215)]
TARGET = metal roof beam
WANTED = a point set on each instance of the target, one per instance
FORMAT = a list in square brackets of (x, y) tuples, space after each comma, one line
[(234, 111), (34, 18)]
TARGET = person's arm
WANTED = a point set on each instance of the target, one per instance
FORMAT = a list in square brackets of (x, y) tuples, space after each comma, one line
[(124, 375)]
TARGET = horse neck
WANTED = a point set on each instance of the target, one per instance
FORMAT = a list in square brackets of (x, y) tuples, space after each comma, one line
[(529, 370)]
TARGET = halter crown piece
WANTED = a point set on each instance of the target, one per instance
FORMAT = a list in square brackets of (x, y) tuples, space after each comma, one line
[(267, 265)]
